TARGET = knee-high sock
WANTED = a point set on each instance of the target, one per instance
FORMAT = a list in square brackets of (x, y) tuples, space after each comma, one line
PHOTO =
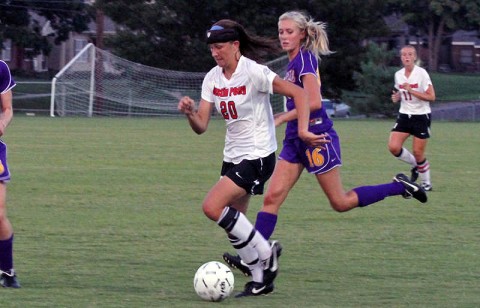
[(249, 255), (265, 224), (371, 194), (6, 254), (407, 157), (424, 171), (237, 224)]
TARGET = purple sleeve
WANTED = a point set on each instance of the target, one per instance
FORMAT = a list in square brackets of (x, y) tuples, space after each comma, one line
[(6, 79)]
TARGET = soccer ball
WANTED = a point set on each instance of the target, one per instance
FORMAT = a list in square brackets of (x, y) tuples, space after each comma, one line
[(213, 281)]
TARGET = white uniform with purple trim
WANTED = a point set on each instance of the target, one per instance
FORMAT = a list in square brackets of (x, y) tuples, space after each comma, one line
[(244, 102)]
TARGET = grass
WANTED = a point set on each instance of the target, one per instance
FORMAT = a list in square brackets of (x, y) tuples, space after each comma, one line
[(107, 214), (456, 87)]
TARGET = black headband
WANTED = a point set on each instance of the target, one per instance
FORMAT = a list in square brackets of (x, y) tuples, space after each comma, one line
[(218, 34)]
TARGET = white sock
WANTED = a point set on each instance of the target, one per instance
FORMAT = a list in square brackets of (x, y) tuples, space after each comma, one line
[(424, 172), (257, 271), (407, 157), (237, 224)]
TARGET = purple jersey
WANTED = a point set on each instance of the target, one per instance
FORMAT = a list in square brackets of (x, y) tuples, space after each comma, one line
[(6, 83), (6, 79), (305, 63)]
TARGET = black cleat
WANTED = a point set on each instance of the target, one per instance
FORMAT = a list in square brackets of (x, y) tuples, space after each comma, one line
[(411, 189), (9, 280), (253, 288), (236, 262), (414, 174), (271, 270)]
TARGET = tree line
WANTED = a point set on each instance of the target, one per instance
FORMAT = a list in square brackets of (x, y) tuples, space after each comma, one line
[(171, 34)]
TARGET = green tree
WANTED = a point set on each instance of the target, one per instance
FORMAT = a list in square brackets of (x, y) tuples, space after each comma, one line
[(17, 24), (375, 82), (171, 34), (436, 19), (350, 24)]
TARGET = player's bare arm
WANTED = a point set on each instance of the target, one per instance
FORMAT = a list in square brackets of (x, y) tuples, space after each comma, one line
[(197, 118), (300, 98)]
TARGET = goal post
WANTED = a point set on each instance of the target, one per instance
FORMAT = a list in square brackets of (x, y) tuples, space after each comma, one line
[(63, 81), (98, 83)]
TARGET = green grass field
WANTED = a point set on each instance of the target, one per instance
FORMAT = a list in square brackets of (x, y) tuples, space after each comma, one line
[(107, 214), (456, 87)]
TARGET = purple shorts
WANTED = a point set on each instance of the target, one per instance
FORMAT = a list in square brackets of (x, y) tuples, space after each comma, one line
[(315, 160), (4, 173)]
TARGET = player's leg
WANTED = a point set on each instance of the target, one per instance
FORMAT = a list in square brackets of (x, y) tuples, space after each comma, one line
[(423, 165), (7, 273), (216, 207), (361, 196), (284, 177), (239, 180), (421, 136), (247, 255), (8, 278), (395, 146)]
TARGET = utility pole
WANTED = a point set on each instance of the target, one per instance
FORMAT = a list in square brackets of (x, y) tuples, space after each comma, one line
[(100, 24), (99, 20)]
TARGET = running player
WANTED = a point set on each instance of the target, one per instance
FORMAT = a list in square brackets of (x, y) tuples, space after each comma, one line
[(8, 278), (239, 88), (304, 40), (414, 90)]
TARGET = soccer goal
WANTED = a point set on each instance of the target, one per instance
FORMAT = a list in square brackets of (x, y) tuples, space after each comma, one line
[(98, 83)]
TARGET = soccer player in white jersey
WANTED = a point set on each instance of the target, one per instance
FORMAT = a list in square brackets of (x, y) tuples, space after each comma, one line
[(414, 90), (8, 278), (240, 89)]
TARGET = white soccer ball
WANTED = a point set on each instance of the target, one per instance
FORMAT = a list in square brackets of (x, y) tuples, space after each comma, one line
[(213, 281)]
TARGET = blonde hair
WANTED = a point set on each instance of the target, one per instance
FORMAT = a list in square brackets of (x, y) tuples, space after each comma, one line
[(316, 39)]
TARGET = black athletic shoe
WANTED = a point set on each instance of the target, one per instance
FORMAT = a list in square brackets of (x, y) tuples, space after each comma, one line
[(411, 189), (414, 174), (253, 288), (236, 262), (9, 280), (271, 270)]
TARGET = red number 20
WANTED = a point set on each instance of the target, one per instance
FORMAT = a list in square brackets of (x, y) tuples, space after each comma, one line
[(228, 110)]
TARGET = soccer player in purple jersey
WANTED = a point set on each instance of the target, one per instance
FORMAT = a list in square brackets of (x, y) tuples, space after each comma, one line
[(8, 278), (239, 88), (305, 40)]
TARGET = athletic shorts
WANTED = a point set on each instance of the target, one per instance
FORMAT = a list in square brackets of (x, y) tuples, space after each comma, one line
[(4, 172), (251, 175), (314, 159), (414, 124)]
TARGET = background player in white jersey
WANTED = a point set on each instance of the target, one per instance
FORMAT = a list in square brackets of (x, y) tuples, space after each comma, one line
[(414, 90), (8, 278), (240, 90)]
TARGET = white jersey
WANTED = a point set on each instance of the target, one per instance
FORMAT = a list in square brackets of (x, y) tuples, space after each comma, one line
[(419, 80), (244, 102)]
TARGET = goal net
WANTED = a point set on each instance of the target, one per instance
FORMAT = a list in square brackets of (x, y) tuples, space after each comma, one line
[(98, 83)]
